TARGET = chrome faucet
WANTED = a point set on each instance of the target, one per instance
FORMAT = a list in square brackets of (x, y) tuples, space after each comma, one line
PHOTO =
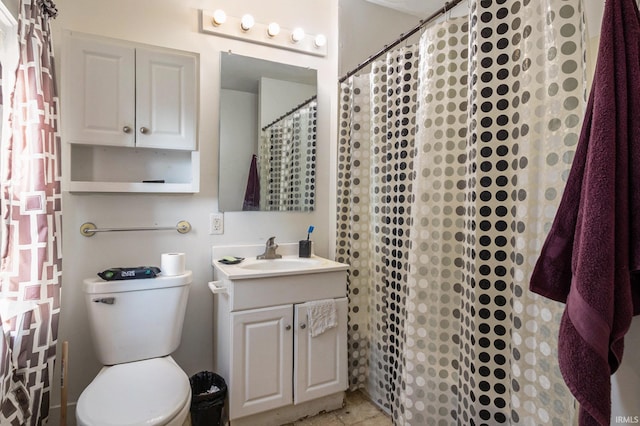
[(270, 250)]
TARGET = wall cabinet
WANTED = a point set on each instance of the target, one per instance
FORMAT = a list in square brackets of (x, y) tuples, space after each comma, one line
[(130, 116), (275, 362)]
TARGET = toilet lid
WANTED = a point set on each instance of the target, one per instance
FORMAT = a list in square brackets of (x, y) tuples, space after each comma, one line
[(149, 392)]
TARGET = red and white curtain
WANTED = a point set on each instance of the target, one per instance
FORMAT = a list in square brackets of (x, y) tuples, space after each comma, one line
[(31, 258)]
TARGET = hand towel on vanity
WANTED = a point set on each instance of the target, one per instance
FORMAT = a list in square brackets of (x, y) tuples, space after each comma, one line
[(593, 247), (322, 316)]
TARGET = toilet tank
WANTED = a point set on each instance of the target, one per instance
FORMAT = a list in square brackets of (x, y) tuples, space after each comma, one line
[(132, 320)]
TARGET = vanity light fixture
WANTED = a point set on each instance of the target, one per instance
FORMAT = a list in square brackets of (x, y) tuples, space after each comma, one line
[(273, 29), (219, 17), (320, 40), (297, 35), (247, 22), (246, 28)]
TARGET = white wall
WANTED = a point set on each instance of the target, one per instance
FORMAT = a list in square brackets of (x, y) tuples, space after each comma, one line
[(175, 24), (12, 6), (278, 97), (365, 28), (239, 140)]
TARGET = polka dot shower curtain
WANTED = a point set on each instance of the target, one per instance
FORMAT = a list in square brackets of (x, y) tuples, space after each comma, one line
[(31, 222), (287, 161), (453, 156)]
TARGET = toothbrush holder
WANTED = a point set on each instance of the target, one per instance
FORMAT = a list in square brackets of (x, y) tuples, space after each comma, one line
[(304, 248)]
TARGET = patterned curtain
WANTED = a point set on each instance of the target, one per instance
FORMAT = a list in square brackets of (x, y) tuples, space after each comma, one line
[(287, 161), (453, 155), (30, 267)]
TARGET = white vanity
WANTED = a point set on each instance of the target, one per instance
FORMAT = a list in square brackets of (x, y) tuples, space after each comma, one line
[(276, 372)]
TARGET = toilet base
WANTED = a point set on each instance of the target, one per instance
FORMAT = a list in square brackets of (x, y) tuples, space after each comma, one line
[(158, 393)]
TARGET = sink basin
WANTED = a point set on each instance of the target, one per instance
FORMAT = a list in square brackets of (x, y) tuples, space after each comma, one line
[(285, 264), (289, 264)]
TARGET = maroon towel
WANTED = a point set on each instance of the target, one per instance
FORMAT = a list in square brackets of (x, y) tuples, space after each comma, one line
[(252, 193), (593, 249)]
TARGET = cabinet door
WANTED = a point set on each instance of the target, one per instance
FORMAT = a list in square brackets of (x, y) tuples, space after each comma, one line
[(165, 100), (261, 360), (100, 87), (320, 362)]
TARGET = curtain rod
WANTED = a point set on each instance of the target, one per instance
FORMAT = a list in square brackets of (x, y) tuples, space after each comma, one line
[(290, 112), (402, 37)]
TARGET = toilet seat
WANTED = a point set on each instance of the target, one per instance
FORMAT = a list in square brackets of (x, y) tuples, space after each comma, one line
[(149, 392)]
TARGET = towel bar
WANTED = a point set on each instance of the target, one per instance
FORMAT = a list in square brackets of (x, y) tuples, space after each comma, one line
[(89, 229)]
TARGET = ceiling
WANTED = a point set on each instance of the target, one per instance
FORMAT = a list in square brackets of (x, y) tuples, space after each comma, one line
[(420, 8)]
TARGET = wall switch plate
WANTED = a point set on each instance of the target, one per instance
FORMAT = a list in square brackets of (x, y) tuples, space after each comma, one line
[(216, 223)]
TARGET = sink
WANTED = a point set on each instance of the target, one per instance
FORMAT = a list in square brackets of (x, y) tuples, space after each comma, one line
[(255, 283), (284, 264), (289, 264)]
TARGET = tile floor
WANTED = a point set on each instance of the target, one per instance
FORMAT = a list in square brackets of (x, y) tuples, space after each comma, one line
[(358, 410)]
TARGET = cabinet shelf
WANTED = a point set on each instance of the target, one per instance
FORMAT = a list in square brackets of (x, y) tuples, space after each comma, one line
[(136, 187), (114, 169)]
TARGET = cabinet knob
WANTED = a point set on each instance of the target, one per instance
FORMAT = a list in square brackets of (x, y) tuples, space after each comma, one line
[(303, 326), (126, 129), (288, 328), (144, 130)]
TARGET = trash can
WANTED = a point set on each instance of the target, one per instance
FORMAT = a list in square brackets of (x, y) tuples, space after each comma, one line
[(208, 391)]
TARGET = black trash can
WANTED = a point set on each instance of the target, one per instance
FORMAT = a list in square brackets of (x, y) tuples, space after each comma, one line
[(208, 391)]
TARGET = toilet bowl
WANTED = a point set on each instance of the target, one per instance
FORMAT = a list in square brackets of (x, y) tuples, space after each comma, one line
[(153, 392), (135, 326)]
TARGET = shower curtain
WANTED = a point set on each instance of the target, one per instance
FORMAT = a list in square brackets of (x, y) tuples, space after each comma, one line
[(453, 155), (287, 161), (30, 267)]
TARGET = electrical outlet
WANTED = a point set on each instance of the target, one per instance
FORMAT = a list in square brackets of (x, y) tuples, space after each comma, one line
[(216, 223)]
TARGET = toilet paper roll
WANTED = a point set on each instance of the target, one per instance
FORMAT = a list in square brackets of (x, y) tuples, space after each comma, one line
[(172, 264)]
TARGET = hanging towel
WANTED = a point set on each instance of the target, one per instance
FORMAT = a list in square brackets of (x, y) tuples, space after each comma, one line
[(321, 315), (592, 252), (252, 193)]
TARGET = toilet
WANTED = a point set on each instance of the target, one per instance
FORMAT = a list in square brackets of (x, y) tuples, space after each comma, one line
[(135, 325)]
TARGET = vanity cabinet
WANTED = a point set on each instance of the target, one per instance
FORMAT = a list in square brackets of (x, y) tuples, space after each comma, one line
[(275, 362), (129, 116), (276, 372)]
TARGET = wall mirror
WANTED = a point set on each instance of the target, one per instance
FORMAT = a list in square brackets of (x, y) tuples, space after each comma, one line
[(267, 135)]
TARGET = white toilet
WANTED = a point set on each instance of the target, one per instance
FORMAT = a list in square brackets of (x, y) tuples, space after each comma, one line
[(135, 325)]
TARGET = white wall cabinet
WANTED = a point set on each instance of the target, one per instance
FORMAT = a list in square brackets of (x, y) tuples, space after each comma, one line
[(130, 116), (275, 362)]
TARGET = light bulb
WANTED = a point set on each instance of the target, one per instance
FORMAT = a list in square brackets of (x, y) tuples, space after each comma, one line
[(219, 17), (297, 35), (273, 29), (320, 40), (247, 22)]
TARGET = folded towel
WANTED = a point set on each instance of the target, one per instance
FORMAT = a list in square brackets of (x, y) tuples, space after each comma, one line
[(321, 315), (593, 248)]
